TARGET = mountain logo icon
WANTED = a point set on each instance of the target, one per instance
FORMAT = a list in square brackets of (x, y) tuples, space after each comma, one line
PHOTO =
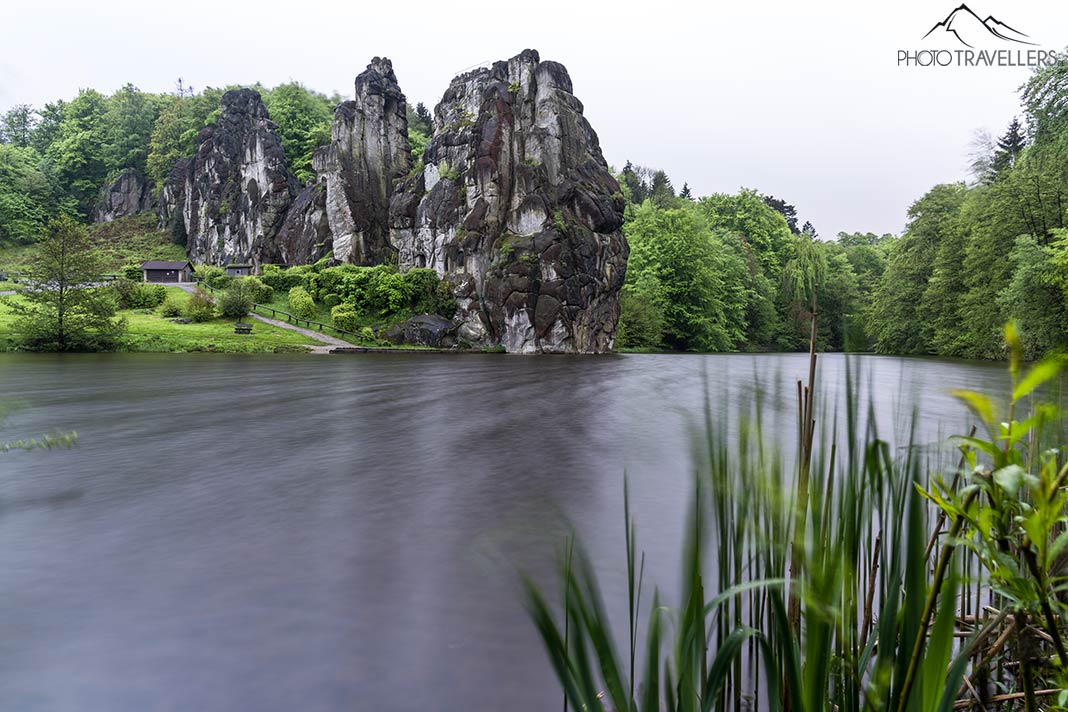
[(969, 29)]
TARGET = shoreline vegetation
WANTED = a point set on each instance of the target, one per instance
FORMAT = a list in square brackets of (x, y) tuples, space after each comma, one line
[(850, 576)]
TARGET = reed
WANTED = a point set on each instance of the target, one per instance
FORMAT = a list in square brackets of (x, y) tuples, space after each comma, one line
[(882, 584)]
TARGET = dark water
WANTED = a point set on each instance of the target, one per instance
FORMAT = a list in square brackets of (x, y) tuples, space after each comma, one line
[(342, 533)]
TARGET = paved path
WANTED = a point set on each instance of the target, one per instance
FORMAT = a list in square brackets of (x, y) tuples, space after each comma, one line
[(328, 342)]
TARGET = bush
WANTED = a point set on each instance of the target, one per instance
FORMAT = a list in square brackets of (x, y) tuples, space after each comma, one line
[(329, 280), (331, 300), (172, 306), (376, 290), (255, 289), (282, 280), (430, 295), (236, 302), (138, 295), (132, 272), (345, 317), (301, 303), (367, 333), (201, 306), (212, 276)]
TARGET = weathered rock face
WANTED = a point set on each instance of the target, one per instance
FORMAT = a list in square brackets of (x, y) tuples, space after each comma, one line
[(517, 208), (368, 152), (423, 330), (237, 187), (305, 235), (130, 194), (172, 200)]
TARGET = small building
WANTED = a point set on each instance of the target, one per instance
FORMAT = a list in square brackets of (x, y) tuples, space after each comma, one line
[(238, 270), (167, 271)]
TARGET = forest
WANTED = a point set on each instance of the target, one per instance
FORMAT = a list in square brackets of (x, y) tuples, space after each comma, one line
[(722, 272)]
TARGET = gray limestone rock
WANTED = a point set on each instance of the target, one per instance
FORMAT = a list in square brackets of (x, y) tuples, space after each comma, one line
[(238, 188), (368, 153), (130, 194), (516, 207), (305, 235)]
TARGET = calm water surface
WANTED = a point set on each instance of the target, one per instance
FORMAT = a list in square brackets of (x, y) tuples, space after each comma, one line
[(343, 533)]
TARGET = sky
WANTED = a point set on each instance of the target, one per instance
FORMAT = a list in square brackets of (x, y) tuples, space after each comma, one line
[(803, 101)]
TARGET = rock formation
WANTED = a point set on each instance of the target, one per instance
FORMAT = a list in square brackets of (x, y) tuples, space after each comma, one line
[(515, 205), (130, 194), (368, 152), (171, 208), (305, 236), (237, 187)]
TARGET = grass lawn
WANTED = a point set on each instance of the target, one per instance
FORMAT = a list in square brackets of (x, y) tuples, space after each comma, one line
[(148, 331)]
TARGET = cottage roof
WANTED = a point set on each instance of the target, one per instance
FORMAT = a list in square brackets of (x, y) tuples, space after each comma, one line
[(154, 264)]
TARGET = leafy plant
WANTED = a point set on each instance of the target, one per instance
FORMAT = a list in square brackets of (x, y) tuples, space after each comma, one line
[(301, 303), (200, 306), (344, 317), (172, 307)]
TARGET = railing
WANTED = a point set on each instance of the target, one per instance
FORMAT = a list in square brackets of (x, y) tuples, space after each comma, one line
[(291, 318)]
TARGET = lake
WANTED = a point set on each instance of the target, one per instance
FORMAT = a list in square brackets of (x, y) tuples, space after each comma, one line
[(344, 532)]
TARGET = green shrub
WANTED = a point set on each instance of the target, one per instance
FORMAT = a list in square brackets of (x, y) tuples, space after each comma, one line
[(301, 303), (376, 290), (213, 276), (255, 289), (367, 333), (430, 295), (172, 307), (345, 318), (236, 302), (138, 295), (329, 280), (124, 292), (132, 272), (331, 300), (201, 306), (282, 280)]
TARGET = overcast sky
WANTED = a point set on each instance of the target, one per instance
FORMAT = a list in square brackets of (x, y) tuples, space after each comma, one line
[(802, 100)]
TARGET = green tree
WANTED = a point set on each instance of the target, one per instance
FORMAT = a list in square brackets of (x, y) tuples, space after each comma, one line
[(76, 155), (788, 211), (641, 317), (897, 322), (26, 199), (660, 190), (1009, 146), (128, 122), (673, 252), (174, 134), (993, 220), (746, 214), (1033, 298), (940, 303), (16, 125), (63, 308), (46, 126), (304, 119), (420, 130)]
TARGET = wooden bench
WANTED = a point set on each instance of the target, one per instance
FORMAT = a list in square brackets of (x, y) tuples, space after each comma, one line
[(242, 328)]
